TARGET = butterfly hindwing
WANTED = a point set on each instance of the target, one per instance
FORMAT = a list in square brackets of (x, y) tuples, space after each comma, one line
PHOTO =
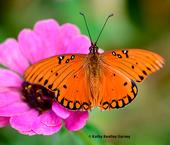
[(117, 89), (136, 64)]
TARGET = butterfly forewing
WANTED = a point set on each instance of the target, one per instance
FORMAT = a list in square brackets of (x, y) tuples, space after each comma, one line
[(39, 72), (136, 64), (65, 75)]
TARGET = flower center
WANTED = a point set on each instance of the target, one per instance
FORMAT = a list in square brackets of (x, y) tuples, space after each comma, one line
[(37, 96)]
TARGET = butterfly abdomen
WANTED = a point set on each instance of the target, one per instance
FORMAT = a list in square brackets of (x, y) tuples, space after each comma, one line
[(94, 75)]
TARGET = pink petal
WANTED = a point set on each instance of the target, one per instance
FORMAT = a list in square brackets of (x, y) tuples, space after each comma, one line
[(67, 33), (80, 44), (14, 109), (30, 133), (69, 30), (9, 79), (4, 121), (101, 50), (47, 123), (76, 120), (24, 121), (60, 111), (31, 45), (7, 98), (49, 32), (12, 57)]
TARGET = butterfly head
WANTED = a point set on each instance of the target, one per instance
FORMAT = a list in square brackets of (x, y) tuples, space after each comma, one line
[(93, 48)]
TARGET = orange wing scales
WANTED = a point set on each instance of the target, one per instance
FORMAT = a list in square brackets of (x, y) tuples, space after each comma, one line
[(120, 103), (75, 90), (65, 77), (135, 63), (118, 90)]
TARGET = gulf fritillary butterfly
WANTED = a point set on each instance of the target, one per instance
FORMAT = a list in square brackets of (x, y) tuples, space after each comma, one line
[(83, 81)]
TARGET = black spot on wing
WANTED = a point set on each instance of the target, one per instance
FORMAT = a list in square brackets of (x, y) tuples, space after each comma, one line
[(106, 105), (76, 105), (62, 101), (60, 58), (144, 72), (85, 106), (40, 79), (148, 69), (50, 86), (113, 53), (126, 53), (57, 93), (72, 57), (119, 56), (64, 86), (134, 88), (120, 103), (69, 106), (67, 61), (45, 82), (129, 98), (141, 77), (125, 83)]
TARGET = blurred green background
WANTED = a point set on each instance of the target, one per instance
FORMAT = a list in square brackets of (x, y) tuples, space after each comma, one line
[(136, 23)]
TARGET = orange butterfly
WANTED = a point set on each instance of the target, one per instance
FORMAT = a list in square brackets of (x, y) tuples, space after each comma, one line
[(84, 81)]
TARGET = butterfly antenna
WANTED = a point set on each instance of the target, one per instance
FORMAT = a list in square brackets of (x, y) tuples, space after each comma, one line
[(103, 28), (86, 26)]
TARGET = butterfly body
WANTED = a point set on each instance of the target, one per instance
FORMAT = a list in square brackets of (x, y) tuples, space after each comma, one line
[(94, 73)]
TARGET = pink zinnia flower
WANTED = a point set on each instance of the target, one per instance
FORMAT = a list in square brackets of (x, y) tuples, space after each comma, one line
[(47, 39)]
